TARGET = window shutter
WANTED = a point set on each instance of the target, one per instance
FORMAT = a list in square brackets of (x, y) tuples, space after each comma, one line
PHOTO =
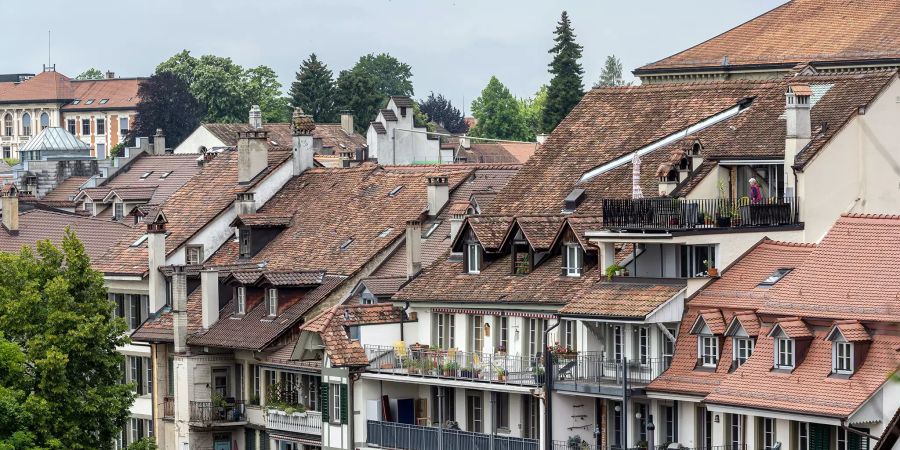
[(323, 393), (344, 404), (250, 441), (479, 252), (140, 376), (264, 438)]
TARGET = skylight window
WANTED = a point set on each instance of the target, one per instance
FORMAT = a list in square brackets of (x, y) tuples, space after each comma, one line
[(395, 191), (89, 102), (75, 102), (140, 241), (776, 276), (431, 229), (346, 244), (386, 232), (104, 101), (146, 174), (165, 175)]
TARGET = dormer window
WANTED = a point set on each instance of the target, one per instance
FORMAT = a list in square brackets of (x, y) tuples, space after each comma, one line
[(118, 210), (708, 328), (522, 255), (743, 349), (708, 350), (842, 357), (240, 294), (574, 260), (784, 353), (473, 258), (743, 330), (272, 301), (244, 242)]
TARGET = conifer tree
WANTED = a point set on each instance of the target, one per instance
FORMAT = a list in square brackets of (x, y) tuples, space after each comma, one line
[(314, 90), (566, 86)]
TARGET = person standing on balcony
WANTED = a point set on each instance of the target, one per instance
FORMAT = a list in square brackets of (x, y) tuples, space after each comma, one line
[(755, 191)]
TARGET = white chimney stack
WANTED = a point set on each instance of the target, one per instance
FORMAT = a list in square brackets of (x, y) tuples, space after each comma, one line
[(413, 248), (438, 194), (347, 121), (798, 130), (179, 308), (541, 138), (156, 258), (209, 292), (253, 154), (302, 126), (10, 208), (255, 117)]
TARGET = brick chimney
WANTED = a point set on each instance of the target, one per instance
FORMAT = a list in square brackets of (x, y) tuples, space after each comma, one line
[(10, 208), (253, 154), (159, 142), (209, 292), (179, 308), (302, 126), (798, 130), (413, 248), (438, 194), (156, 258), (255, 117), (347, 121)]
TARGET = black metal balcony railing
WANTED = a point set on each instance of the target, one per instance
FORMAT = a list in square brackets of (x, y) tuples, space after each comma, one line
[(682, 214), (584, 445), (168, 407), (416, 437), (594, 368), (456, 365), (210, 413)]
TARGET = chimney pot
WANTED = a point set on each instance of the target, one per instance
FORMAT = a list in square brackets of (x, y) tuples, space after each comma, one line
[(413, 248), (10, 208), (159, 142), (110, 74), (255, 117), (245, 203), (541, 138), (302, 126)]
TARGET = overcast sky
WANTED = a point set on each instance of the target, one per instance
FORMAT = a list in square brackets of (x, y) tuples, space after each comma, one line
[(453, 46)]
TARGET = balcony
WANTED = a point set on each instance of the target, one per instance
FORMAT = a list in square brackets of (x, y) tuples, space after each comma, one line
[(584, 445), (593, 373), (208, 414), (415, 437), (168, 407), (674, 214), (455, 365), (309, 422)]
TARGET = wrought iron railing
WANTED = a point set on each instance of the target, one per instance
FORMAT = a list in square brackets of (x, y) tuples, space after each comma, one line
[(168, 407), (211, 413), (416, 437), (584, 445), (665, 213), (309, 422), (594, 368), (456, 365)]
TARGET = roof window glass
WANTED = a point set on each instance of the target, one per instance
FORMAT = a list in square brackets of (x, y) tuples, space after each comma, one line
[(776, 276)]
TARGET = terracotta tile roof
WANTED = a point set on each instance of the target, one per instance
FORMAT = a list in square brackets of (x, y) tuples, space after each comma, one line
[(696, 176), (280, 137), (166, 173), (381, 286), (620, 299), (263, 220), (188, 212), (497, 152), (38, 224), (851, 330), (64, 192), (793, 328), (459, 207), (747, 320), (798, 31), (331, 326), (713, 320), (281, 356), (402, 101), (334, 137), (134, 193), (159, 328), (489, 230), (388, 115), (45, 86), (120, 93), (294, 278), (540, 231)]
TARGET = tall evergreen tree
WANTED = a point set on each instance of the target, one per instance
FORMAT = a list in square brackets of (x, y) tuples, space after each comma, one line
[(498, 114), (314, 90), (442, 112), (611, 75), (166, 102), (356, 92), (566, 86)]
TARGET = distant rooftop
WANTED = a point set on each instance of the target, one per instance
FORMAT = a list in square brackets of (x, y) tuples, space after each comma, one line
[(55, 143)]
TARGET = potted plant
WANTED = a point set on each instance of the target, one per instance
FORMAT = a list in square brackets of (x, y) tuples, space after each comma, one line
[(574, 442), (538, 375), (613, 270), (711, 271), (501, 350), (450, 368), (502, 374)]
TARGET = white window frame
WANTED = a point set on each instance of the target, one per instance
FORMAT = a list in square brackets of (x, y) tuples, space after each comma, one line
[(476, 331), (241, 298), (197, 250), (708, 350), (446, 330), (802, 435), (574, 260), (842, 357), (118, 210), (475, 411), (644, 345), (570, 335), (88, 123), (742, 349), (98, 123), (736, 425), (767, 432), (785, 353), (472, 251), (272, 301), (618, 342), (334, 403)]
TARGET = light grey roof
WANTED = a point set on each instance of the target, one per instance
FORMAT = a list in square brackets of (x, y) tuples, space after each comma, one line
[(55, 138)]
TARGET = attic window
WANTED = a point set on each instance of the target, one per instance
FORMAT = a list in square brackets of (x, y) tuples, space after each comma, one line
[(346, 244), (431, 229), (75, 102), (776, 276), (104, 101), (89, 102), (386, 232), (395, 191), (165, 175), (140, 240), (146, 174)]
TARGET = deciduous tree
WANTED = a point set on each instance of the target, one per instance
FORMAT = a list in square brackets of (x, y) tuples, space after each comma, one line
[(314, 90), (390, 75), (166, 102), (566, 86), (90, 74), (356, 92), (498, 113)]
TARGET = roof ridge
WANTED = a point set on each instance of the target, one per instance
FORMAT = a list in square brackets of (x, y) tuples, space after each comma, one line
[(870, 216), (789, 244)]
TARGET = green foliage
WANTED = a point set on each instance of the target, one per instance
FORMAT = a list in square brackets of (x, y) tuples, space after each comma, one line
[(566, 87), (60, 374), (314, 90), (611, 75), (90, 74), (611, 271), (11, 161), (533, 112), (167, 103), (356, 92), (225, 89), (143, 444), (442, 112), (390, 75), (498, 113), (421, 120)]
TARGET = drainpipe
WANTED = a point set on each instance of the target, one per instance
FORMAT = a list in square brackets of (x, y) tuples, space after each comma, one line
[(548, 385), (857, 432)]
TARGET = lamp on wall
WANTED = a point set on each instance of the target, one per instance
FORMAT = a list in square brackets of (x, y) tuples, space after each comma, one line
[(618, 408), (716, 418)]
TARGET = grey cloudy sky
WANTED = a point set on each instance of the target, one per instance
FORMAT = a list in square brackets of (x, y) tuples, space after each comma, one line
[(453, 46)]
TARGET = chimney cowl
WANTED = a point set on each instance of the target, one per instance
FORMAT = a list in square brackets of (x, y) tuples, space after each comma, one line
[(302, 124)]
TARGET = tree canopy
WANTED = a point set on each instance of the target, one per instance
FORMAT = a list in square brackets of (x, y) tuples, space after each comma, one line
[(314, 90), (390, 75), (533, 113), (611, 75), (566, 86), (60, 374), (498, 113), (166, 102), (356, 92), (441, 111), (90, 74)]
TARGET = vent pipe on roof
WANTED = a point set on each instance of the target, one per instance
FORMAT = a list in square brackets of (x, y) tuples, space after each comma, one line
[(438, 194), (302, 127), (253, 154), (798, 132), (209, 293), (179, 308), (413, 248)]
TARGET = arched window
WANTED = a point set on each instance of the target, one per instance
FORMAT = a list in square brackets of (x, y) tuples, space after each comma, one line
[(26, 124), (8, 125), (45, 120)]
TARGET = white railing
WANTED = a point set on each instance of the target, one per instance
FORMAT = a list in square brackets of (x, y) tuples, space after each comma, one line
[(309, 422)]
